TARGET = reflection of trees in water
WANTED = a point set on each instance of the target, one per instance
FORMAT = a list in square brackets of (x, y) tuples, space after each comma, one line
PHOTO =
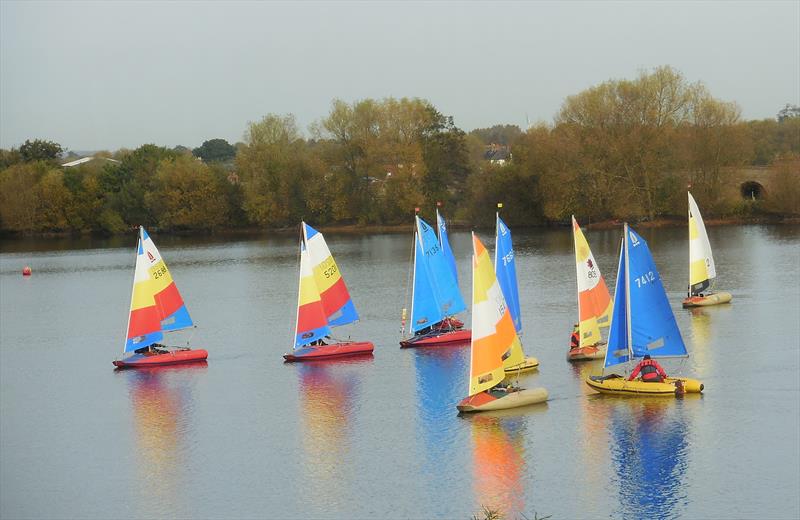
[(649, 452), (499, 462), (161, 398)]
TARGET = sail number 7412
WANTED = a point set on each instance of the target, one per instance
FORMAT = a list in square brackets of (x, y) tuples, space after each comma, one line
[(645, 279)]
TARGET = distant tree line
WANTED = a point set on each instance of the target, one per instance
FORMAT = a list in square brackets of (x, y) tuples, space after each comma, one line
[(624, 149)]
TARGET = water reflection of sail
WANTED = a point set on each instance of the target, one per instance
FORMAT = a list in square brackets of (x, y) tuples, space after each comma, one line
[(439, 385), (701, 335), (327, 396), (161, 398), (649, 448), (499, 462)]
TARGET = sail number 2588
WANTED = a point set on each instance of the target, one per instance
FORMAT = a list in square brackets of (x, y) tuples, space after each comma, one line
[(645, 279)]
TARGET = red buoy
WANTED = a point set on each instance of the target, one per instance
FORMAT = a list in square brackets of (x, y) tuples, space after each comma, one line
[(26, 271)]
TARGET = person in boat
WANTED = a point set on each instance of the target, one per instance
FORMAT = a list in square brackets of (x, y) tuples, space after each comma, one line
[(575, 338), (319, 342), (651, 371)]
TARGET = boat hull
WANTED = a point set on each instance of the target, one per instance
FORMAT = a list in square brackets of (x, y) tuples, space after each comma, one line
[(530, 364), (586, 353), (172, 357), (621, 386), (334, 350), (710, 299), (439, 339), (487, 401)]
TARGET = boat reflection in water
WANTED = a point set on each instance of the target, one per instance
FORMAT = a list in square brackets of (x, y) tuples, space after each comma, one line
[(498, 460), (440, 384), (328, 396), (161, 398), (649, 448)]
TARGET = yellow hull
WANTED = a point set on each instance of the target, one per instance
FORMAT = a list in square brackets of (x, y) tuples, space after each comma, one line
[(621, 386), (711, 299), (530, 363), (482, 403)]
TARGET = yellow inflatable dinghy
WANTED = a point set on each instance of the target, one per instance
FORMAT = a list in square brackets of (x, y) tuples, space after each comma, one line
[(617, 385)]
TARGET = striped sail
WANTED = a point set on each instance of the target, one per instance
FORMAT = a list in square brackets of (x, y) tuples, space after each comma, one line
[(594, 302), (701, 262), (505, 269), (493, 332), (312, 323), (156, 304), (333, 292)]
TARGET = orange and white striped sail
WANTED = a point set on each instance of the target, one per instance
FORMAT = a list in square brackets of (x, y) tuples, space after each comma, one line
[(594, 301), (493, 334), (701, 261)]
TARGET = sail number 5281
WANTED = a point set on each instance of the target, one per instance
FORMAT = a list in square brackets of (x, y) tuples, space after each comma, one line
[(645, 279)]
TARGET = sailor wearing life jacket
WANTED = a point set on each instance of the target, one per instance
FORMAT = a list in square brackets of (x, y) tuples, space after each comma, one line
[(650, 369), (574, 339)]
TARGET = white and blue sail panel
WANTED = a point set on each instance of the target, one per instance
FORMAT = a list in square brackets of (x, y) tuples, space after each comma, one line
[(653, 326), (506, 270), (436, 293), (617, 348), (445, 243)]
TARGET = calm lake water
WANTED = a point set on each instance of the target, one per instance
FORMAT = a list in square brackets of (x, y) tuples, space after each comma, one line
[(246, 436)]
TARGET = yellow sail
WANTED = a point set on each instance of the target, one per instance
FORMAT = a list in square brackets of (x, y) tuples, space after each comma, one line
[(594, 301), (701, 261), (494, 337)]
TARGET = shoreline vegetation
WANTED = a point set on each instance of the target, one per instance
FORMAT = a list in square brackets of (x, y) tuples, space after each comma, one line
[(623, 150)]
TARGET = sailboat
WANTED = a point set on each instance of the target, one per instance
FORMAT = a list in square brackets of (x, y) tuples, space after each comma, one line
[(505, 269), (494, 338), (435, 297), (701, 264), (594, 302), (642, 323), (323, 302), (156, 308)]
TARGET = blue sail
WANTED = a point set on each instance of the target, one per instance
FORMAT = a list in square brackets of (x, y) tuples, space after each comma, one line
[(505, 268), (617, 349), (445, 243), (654, 330), (436, 293)]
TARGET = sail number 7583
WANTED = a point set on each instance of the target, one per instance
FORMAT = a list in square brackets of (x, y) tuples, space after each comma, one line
[(645, 279)]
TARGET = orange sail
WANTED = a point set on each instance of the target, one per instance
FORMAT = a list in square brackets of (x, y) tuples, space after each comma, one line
[(493, 331), (594, 302)]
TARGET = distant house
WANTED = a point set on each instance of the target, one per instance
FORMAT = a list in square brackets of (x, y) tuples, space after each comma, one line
[(498, 154), (85, 160)]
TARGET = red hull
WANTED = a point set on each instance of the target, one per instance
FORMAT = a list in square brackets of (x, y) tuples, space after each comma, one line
[(335, 350), (454, 337), (169, 358)]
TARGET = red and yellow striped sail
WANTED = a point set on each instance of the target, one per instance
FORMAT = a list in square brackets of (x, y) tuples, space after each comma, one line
[(333, 292), (594, 301), (493, 333), (156, 304), (312, 323)]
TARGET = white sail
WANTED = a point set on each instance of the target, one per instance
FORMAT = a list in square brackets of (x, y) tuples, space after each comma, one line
[(701, 261)]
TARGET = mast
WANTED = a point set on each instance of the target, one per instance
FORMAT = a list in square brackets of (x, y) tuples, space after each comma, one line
[(689, 222), (628, 295), (133, 288), (577, 274), (414, 270), (472, 297), (497, 232), (299, 283)]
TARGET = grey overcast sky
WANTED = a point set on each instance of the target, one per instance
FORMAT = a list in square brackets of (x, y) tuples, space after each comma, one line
[(106, 75)]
